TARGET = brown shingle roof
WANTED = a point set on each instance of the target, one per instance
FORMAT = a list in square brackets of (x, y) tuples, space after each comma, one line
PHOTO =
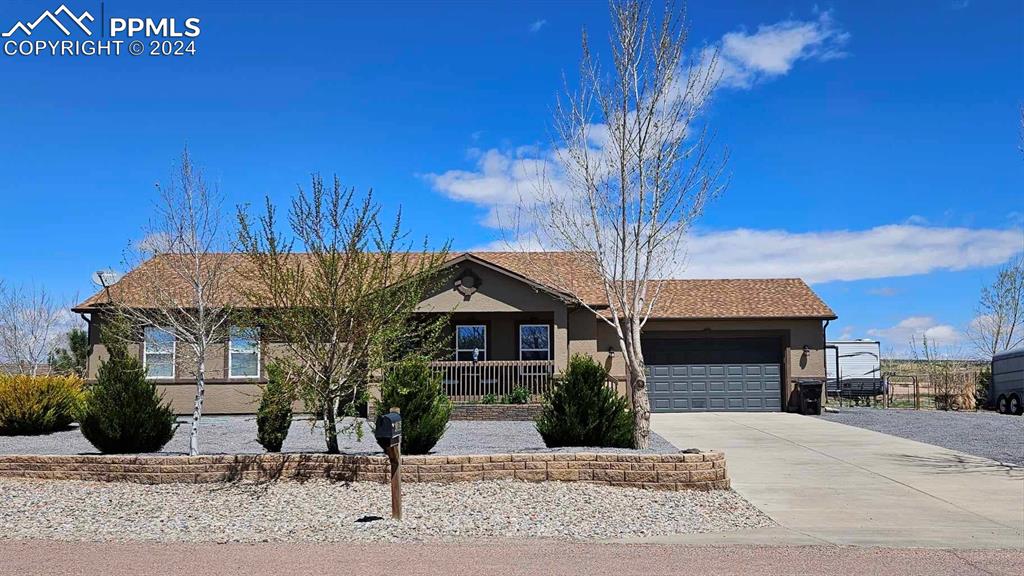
[(561, 272), (764, 298)]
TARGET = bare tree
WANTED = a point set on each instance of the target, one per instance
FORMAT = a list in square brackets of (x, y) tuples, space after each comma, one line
[(343, 308), (953, 380), (999, 322), (31, 323), (179, 282), (632, 173)]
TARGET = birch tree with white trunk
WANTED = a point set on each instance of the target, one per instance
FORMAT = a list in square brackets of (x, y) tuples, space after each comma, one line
[(630, 173), (181, 275)]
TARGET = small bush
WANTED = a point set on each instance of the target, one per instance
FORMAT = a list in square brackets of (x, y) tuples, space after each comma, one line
[(518, 395), (38, 404), (122, 412), (417, 391), (581, 410), (275, 413), (981, 386), (489, 399)]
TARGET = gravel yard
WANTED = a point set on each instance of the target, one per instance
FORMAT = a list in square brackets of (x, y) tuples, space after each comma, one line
[(318, 511), (984, 434), (237, 435)]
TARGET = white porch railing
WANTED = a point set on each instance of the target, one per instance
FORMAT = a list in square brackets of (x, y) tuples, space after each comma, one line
[(468, 382)]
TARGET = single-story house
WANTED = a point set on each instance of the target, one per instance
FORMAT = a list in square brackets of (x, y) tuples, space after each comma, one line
[(709, 344)]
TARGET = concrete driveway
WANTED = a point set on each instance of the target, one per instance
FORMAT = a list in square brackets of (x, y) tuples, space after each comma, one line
[(828, 483)]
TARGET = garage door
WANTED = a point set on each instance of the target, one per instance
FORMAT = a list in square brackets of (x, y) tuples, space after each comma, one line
[(714, 375)]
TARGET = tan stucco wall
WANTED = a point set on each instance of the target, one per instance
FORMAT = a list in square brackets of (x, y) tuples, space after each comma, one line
[(592, 336), (796, 333), (502, 303), (223, 395), (496, 293)]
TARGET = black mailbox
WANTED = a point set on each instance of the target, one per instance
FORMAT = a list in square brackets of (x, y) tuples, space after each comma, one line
[(388, 430)]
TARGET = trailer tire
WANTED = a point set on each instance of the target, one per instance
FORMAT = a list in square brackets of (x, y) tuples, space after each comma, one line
[(1002, 405), (1016, 408)]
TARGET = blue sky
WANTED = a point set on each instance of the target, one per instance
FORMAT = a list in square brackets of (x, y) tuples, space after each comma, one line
[(874, 145)]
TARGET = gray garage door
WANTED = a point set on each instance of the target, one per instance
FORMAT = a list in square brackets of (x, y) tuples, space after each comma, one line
[(714, 375), (690, 387)]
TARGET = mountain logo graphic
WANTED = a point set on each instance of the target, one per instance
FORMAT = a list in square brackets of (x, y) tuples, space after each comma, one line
[(28, 28)]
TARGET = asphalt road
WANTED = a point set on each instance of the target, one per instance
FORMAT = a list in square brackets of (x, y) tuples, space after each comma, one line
[(32, 558)]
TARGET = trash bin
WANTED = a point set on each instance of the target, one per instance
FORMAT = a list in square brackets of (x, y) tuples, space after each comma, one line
[(810, 396)]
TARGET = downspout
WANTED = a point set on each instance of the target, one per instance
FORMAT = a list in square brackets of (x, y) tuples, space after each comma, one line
[(824, 347), (87, 317), (838, 373)]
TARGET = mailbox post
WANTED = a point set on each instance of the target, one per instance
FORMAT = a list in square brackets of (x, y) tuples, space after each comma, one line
[(388, 432)]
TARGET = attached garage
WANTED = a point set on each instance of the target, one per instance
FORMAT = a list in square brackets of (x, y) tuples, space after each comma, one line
[(714, 374)]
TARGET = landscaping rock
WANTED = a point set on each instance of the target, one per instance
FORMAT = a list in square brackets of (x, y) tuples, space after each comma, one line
[(985, 434), (318, 511), (237, 435)]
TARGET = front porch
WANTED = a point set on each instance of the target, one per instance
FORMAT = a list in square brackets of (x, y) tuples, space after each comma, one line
[(469, 382), (496, 354)]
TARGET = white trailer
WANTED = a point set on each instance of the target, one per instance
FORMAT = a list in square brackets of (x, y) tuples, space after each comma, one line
[(860, 368), (1007, 387)]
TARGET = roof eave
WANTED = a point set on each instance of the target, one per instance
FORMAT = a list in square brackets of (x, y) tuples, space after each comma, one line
[(786, 317)]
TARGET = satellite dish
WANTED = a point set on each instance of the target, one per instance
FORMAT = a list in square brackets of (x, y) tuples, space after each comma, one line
[(105, 278)]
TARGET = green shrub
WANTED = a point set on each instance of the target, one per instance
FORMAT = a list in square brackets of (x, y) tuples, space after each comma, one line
[(275, 413), (38, 404), (74, 358), (417, 391), (122, 412), (518, 395), (489, 399), (981, 386), (581, 410)]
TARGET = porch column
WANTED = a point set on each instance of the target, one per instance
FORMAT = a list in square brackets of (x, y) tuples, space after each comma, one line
[(560, 343)]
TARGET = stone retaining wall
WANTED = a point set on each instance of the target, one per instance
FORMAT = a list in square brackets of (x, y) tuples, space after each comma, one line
[(705, 471), (495, 411)]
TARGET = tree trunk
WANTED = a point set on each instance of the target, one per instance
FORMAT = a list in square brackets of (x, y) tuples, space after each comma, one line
[(637, 374), (641, 409), (197, 411), (331, 426)]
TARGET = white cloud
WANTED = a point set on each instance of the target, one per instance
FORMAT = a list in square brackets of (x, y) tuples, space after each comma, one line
[(838, 255), (153, 243), (773, 50), (880, 252), (911, 331), (500, 181), (502, 177)]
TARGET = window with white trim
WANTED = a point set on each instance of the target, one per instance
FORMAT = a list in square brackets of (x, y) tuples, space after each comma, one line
[(534, 342), (158, 352), (470, 341), (243, 352)]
